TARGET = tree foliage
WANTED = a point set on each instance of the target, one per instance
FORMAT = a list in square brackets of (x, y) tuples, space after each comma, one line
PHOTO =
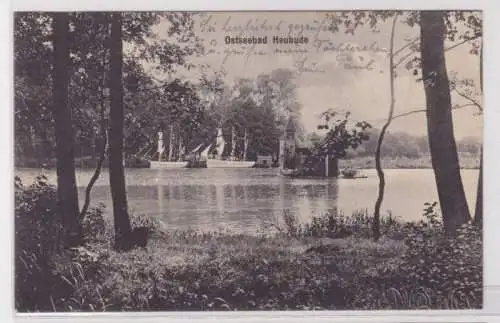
[(89, 70), (342, 134)]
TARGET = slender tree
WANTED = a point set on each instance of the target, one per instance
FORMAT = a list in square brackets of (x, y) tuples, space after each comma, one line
[(116, 168), (442, 143), (100, 162), (66, 179), (378, 164), (98, 73)]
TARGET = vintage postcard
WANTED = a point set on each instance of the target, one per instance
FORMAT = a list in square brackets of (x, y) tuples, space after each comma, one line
[(248, 161)]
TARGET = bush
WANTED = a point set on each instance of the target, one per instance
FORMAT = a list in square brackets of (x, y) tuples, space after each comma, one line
[(449, 266), (38, 237), (437, 271), (48, 277), (94, 225)]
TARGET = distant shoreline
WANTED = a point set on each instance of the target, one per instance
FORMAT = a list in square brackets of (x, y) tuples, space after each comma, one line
[(367, 162), (423, 162)]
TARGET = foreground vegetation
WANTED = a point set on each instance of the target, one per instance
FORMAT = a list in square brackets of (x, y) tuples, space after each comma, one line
[(328, 263)]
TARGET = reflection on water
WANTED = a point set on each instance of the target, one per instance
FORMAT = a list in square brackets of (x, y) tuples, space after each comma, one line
[(246, 199), (243, 207)]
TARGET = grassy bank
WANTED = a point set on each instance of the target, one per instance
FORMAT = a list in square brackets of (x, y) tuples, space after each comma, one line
[(466, 162), (330, 262)]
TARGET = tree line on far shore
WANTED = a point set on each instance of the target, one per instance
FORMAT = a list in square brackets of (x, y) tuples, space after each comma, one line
[(401, 144)]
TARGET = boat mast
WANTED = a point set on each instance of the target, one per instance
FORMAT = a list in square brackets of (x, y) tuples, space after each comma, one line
[(245, 148), (233, 143), (171, 144), (181, 149)]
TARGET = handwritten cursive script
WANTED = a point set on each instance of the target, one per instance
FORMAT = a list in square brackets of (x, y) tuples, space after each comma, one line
[(231, 36)]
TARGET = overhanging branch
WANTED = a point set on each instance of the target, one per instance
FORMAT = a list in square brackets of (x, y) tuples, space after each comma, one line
[(470, 99), (424, 110), (446, 49)]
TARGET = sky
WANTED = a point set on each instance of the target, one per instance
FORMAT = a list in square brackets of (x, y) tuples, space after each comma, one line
[(329, 73)]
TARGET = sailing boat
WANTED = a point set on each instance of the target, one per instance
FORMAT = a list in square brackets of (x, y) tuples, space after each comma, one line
[(219, 162), (198, 159), (165, 164)]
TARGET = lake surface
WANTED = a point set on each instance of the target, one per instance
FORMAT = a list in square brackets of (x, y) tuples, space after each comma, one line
[(246, 200)]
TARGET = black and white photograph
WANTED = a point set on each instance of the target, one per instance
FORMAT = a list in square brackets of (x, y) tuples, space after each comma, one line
[(247, 160)]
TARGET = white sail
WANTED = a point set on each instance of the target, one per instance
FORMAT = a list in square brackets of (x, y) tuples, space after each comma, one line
[(196, 149), (220, 143), (204, 153), (161, 147), (181, 150), (245, 148)]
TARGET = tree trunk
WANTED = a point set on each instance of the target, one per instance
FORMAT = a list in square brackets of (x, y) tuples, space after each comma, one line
[(442, 143), (478, 214), (378, 164), (64, 134), (102, 153), (116, 169)]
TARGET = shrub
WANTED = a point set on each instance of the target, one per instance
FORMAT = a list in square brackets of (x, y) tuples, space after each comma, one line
[(451, 267), (38, 237), (94, 225), (48, 277), (437, 271), (78, 279), (38, 227)]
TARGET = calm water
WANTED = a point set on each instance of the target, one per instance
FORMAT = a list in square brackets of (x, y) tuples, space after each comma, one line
[(245, 200)]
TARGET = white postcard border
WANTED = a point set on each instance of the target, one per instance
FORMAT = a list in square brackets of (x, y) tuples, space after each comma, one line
[(491, 159)]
